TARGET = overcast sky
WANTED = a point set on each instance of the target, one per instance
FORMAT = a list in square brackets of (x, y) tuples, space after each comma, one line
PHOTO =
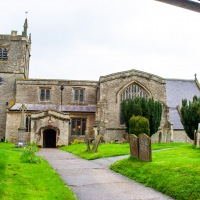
[(86, 39)]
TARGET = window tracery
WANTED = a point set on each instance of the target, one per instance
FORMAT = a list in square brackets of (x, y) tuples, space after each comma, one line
[(133, 91)]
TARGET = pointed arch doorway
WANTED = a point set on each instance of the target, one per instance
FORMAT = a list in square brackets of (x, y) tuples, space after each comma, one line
[(49, 138)]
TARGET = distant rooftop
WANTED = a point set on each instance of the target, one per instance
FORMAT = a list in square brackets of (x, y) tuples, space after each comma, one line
[(176, 90)]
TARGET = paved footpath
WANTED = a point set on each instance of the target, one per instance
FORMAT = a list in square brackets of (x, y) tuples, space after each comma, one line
[(92, 180)]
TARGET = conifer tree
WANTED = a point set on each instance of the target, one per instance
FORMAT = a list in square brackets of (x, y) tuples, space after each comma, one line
[(148, 108), (190, 115)]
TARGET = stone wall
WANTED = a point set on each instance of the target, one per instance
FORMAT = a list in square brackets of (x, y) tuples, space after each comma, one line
[(15, 67), (181, 136), (12, 125), (33, 86), (111, 86), (7, 90), (13, 122)]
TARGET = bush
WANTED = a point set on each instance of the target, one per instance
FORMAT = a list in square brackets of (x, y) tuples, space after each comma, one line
[(76, 141), (139, 125), (28, 154)]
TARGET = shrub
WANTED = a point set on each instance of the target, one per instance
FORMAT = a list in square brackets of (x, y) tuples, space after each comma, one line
[(139, 125), (76, 141), (28, 154)]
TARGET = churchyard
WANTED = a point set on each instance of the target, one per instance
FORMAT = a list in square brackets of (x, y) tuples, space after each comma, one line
[(174, 171)]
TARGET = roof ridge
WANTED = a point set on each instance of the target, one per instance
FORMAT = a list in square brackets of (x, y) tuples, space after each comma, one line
[(177, 79)]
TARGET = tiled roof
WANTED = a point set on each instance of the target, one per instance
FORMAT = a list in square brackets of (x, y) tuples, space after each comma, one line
[(65, 108), (175, 119), (176, 90)]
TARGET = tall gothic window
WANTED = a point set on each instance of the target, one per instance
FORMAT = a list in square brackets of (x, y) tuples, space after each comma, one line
[(78, 126), (45, 94), (3, 53), (131, 92)]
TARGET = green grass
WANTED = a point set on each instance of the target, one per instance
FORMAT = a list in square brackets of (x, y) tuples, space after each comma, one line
[(174, 172), (104, 150), (28, 181), (109, 150)]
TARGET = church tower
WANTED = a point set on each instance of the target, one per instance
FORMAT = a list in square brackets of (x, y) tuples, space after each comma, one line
[(14, 64)]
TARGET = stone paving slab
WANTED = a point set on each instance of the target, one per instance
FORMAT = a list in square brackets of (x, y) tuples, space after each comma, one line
[(92, 180)]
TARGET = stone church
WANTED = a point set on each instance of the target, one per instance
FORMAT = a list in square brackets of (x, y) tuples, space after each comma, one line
[(59, 111)]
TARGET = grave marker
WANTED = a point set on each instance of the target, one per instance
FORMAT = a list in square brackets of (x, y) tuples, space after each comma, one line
[(133, 139), (96, 143), (144, 147)]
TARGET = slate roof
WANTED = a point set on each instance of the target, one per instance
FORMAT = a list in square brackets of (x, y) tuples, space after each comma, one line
[(65, 108), (176, 90)]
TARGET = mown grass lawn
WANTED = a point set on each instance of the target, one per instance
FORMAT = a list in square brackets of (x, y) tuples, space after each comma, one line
[(109, 150), (28, 181), (174, 172)]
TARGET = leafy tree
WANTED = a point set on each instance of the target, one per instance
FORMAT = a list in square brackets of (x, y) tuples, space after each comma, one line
[(190, 116), (139, 125), (148, 108)]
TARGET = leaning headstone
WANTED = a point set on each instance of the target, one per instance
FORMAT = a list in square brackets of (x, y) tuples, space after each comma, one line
[(134, 151), (22, 129), (144, 147), (87, 141), (96, 143)]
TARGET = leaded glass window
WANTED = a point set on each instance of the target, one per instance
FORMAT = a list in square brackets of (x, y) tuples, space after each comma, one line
[(78, 126), (45, 94), (3, 54), (79, 95), (131, 92)]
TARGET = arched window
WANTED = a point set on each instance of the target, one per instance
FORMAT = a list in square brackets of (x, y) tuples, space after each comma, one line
[(131, 92)]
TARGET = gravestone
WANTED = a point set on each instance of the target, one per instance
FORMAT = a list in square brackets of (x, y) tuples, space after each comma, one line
[(144, 147), (134, 151), (96, 143), (160, 137), (168, 137), (198, 137), (195, 137)]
